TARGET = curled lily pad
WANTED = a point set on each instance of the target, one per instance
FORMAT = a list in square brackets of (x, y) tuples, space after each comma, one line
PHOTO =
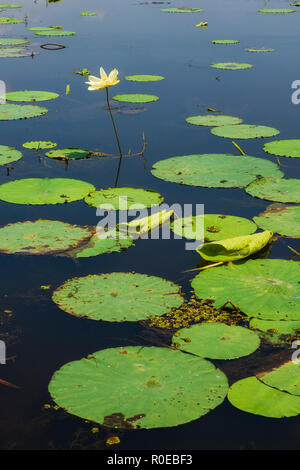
[(12, 41), (209, 120), (9, 154), (139, 387), (285, 377), (232, 249), (136, 98), (244, 131), (276, 10), (123, 198), (39, 144), (117, 296), (284, 148), (100, 245), (267, 289), (10, 112), (41, 237), (144, 78), (276, 326), (69, 153), (182, 10), (44, 191), (216, 226), (275, 189), (214, 170), (225, 41), (231, 66), (253, 396), (281, 219), (14, 52), (54, 32), (9, 20), (217, 340), (30, 95)]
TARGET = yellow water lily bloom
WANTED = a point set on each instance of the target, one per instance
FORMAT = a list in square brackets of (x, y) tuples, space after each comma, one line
[(96, 83)]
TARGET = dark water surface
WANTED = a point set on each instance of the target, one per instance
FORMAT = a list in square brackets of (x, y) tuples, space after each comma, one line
[(136, 38)]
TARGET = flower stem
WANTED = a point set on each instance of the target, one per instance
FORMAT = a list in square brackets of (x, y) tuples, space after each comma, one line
[(117, 137)]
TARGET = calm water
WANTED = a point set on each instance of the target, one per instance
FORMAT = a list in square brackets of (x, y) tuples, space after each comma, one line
[(135, 37)]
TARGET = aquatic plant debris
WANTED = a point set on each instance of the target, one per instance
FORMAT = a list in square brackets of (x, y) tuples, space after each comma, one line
[(144, 78), (123, 198), (213, 120), (244, 131), (281, 219), (275, 189), (136, 98), (9, 155), (9, 112), (139, 387), (117, 297), (29, 95), (231, 66), (284, 148)]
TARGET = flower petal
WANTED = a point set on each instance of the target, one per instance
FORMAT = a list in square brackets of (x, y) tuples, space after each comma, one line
[(102, 73)]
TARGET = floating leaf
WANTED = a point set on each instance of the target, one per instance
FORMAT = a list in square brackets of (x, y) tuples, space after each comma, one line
[(216, 226), (275, 189), (259, 50), (285, 377), (139, 387), (267, 289), (87, 13), (214, 170), (217, 340), (244, 131), (136, 98), (117, 296), (14, 52), (281, 219), (39, 144), (284, 148), (9, 112), (231, 66), (182, 10), (8, 20), (277, 326), (54, 32), (144, 78), (69, 153), (9, 155), (30, 95), (41, 237), (276, 10), (44, 191), (98, 246), (252, 396), (209, 120), (123, 198), (40, 28), (5, 6), (232, 249), (12, 41), (225, 41)]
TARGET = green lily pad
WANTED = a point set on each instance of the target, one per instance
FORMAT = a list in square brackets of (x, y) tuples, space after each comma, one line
[(231, 66), (214, 170), (9, 155), (182, 10), (244, 131), (30, 95), (9, 20), (139, 387), (116, 197), (41, 237), (40, 28), (54, 32), (216, 226), (284, 148), (251, 49), (144, 78), (69, 153), (98, 246), (117, 296), (285, 377), (10, 112), (136, 98), (281, 219), (39, 144), (14, 52), (210, 120), (295, 4), (225, 41), (267, 289), (276, 10), (253, 396), (217, 340), (277, 326), (87, 13), (44, 191), (12, 41), (275, 189), (4, 6)]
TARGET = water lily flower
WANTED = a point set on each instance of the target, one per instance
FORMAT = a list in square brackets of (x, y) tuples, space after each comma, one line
[(96, 83)]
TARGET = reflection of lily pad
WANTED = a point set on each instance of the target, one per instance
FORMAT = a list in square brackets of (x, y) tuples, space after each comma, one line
[(267, 289), (217, 340), (117, 197), (12, 41), (244, 131), (39, 144), (8, 155), (225, 41), (285, 377), (69, 153), (252, 396), (14, 52), (44, 190), (182, 10), (276, 10), (216, 226), (139, 387), (30, 95), (54, 32), (284, 148), (277, 326), (210, 120), (275, 189), (117, 296), (8, 20), (98, 246), (41, 237), (231, 66), (9, 112), (281, 219), (214, 170), (136, 98), (144, 78)]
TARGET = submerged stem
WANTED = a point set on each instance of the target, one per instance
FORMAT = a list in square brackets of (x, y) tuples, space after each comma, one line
[(117, 137)]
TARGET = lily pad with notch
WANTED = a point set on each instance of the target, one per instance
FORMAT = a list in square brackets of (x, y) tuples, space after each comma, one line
[(281, 219)]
